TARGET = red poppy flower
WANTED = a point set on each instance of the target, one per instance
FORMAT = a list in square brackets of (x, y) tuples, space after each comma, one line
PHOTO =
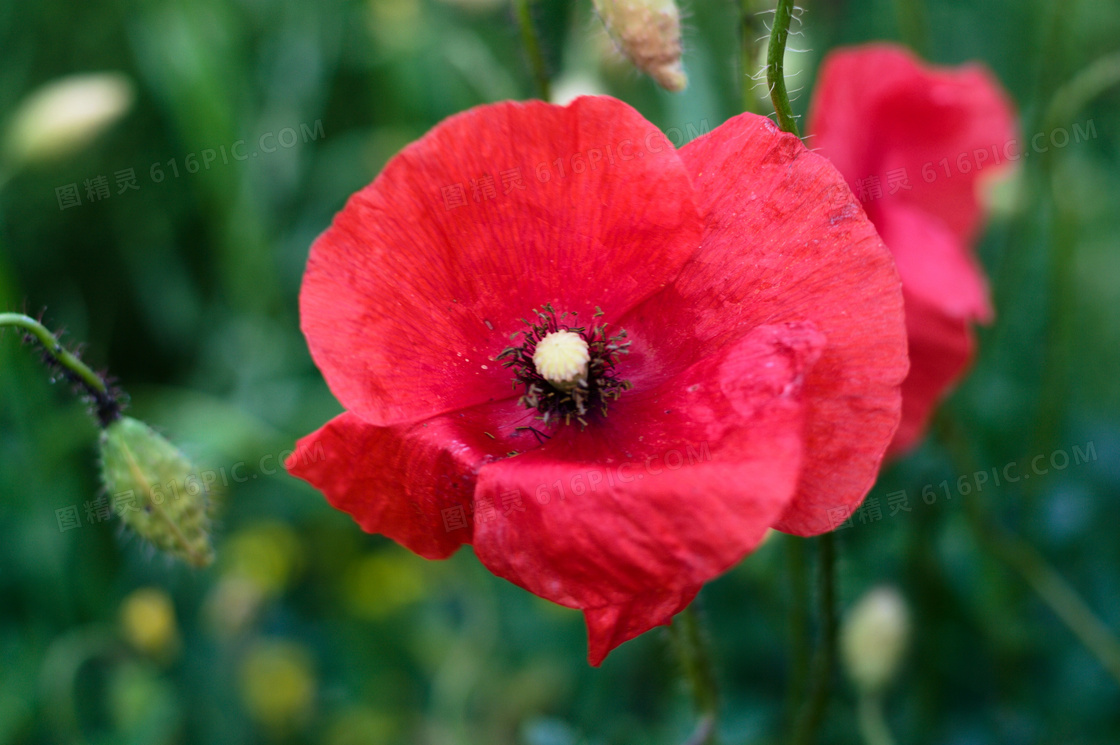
[(609, 365), (913, 142)]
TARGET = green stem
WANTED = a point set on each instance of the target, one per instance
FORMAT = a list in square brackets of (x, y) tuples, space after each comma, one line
[(872, 724), (692, 648), (533, 47), (913, 25), (1082, 88), (108, 409), (801, 642), (824, 664), (775, 62), (1069, 99), (1050, 586), (1020, 556), (63, 661)]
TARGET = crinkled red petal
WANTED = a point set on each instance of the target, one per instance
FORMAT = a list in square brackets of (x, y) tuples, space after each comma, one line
[(611, 625), (412, 483), (676, 485), (427, 272), (785, 241)]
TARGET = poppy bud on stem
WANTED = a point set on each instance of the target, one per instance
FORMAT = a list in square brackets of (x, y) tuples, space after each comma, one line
[(874, 638), (137, 463), (873, 641), (649, 33)]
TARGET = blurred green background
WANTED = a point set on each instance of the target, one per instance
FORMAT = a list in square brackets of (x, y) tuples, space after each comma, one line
[(308, 630)]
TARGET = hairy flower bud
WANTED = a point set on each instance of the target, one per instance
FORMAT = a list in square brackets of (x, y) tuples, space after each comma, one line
[(874, 637), (153, 487), (649, 33), (65, 115)]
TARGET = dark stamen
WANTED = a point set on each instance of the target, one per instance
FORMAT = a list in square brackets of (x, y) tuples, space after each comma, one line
[(556, 404)]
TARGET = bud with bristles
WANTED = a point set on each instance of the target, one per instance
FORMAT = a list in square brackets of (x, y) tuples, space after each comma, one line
[(649, 33), (154, 489), (874, 638)]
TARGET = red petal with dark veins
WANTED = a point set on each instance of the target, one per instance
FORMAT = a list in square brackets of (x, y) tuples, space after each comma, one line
[(412, 483), (672, 488), (417, 285), (785, 241)]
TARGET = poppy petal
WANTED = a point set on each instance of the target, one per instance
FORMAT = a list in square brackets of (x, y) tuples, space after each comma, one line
[(411, 483), (932, 133), (941, 348), (611, 625), (935, 267), (788, 243), (672, 488), (426, 273), (878, 110)]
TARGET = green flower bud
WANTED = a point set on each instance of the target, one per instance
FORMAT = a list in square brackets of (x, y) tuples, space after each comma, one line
[(153, 487), (649, 33), (874, 638)]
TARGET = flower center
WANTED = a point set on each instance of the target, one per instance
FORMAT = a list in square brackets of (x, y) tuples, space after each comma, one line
[(561, 358), (567, 371)]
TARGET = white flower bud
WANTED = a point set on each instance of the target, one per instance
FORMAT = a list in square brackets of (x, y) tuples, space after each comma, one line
[(649, 33), (874, 637), (65, 115)]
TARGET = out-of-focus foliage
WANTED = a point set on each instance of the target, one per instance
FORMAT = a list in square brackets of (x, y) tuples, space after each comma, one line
[(251, 121)]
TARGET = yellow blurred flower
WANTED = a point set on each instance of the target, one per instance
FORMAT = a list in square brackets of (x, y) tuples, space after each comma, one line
[(383, 581), (231, 606), (148, 622), (268, 554), (277, 683), (359, 725)]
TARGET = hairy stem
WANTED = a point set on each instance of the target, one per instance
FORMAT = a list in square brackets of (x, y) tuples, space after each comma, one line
[(108, 408), (775, 67)]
